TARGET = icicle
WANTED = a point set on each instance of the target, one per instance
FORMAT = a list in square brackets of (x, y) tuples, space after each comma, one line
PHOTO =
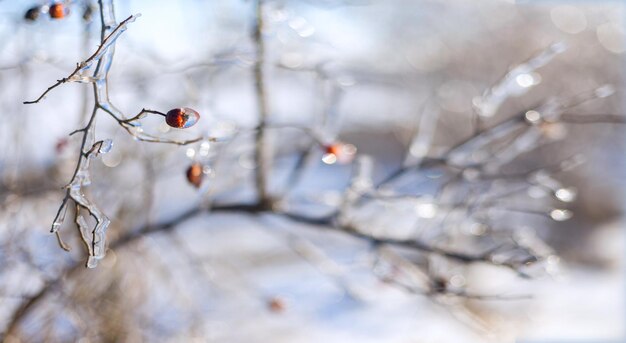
[(597, 93), (106, 146), (84, 231), (572, 162), (109, 44), (525, 142), (95, 239), (604, 91), (98, 239), (60, 217), (362, 180), (516, 82), (423, 137), (426, 207), (565, 194), (466, 153), (550, 110), (545, 179), (302, 27), (60, 241), (560, 215), (80, 78)]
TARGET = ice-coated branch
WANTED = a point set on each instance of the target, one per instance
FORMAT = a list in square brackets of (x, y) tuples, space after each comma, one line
[(106, 44), (422, 280), (95, 238)]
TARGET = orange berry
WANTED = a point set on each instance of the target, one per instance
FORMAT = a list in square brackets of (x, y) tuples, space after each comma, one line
[(195, 174), (57, 11)]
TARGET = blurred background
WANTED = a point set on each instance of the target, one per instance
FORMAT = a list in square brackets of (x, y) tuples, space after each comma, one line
[(399, 81)]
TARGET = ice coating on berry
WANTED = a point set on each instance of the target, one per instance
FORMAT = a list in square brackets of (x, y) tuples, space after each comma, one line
[(182, 118)]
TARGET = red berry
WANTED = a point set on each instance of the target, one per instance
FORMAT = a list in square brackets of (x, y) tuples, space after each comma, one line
[(182, 118), (57, 11), (195, 174)]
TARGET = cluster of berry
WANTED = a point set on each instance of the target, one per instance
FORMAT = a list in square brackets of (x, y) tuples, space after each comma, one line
[(56, 10)]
